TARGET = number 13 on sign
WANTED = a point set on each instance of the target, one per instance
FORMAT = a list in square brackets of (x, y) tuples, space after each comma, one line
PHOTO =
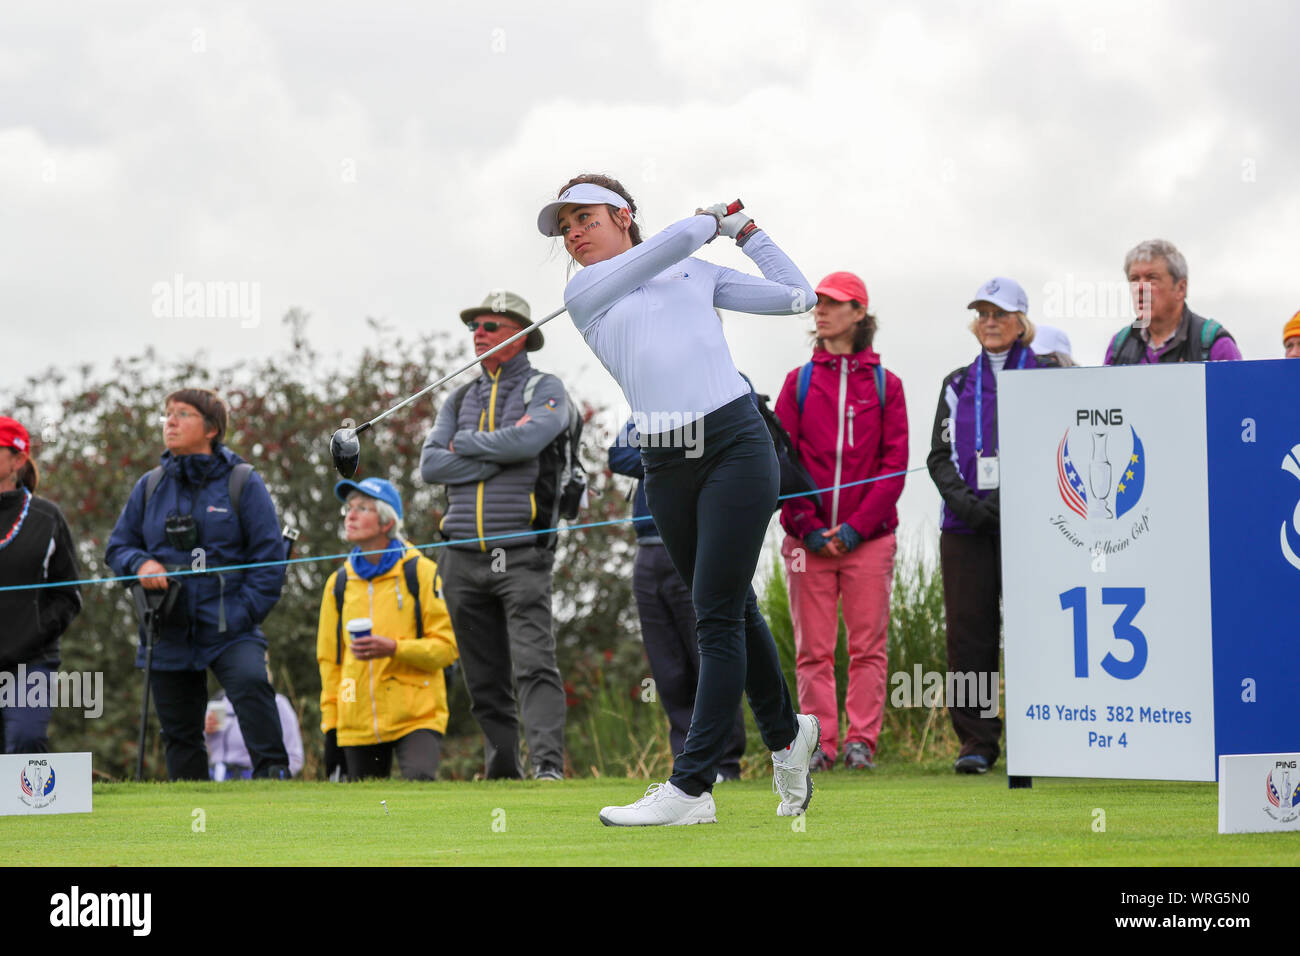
[(1131, 600)]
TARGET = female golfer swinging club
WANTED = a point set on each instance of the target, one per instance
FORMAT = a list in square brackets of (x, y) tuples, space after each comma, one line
[(647, 311)]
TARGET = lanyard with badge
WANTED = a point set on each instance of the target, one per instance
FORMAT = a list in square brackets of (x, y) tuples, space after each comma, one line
[(986, 469)]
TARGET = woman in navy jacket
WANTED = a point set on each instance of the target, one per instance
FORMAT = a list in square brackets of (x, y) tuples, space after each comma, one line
[(215, 621)]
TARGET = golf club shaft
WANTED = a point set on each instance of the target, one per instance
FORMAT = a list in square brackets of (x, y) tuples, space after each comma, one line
[(731, 208), (465, 368)]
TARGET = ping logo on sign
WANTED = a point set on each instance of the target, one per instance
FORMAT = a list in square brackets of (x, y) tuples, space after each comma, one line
[(1098, 416)]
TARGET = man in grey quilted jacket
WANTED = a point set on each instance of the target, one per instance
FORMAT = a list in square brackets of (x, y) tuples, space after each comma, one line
[(496, 573)]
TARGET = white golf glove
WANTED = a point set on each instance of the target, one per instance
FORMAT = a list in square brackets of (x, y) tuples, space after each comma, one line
[(733, 224), (719, 212)]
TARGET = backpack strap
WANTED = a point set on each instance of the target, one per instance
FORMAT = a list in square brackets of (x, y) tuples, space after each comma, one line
[(411, 571), (340, 585), (1210, 332), (1120, 340), (457, 397), (530, 387), (238, 479), (805, 379), (151, 483)]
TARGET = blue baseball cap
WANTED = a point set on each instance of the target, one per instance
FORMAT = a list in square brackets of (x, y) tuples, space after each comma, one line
[(374, 488), (1005, 293)]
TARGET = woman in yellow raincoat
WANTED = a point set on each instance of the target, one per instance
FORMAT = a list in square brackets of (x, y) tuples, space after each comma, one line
[(383, 641)]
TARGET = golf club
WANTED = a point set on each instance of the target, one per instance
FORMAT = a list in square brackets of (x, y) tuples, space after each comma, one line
[(345, 443)]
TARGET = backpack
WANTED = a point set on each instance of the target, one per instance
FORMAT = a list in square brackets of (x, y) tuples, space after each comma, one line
[(561, 487), (238, 478), (801, 395), (410, 571), (1211, 331), (561, 481), (235, 488), (805, 379), (795, 479)]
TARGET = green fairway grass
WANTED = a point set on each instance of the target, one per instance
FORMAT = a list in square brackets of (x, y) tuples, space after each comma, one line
[(897, 816)]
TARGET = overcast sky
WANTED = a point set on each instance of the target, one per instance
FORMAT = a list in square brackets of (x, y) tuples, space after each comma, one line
[(371, 159)]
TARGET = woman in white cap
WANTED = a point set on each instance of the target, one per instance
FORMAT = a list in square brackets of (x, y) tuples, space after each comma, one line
[(963, 462), (646, 309), (1049, 340), (35, 549)]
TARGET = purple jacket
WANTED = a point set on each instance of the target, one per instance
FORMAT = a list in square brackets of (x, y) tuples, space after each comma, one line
[(967, 510), (227, 746)]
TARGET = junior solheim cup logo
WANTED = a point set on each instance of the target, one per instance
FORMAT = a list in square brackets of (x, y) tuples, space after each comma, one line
[(1114, 491), (1101, 471), (36, 780), (1283, 791)]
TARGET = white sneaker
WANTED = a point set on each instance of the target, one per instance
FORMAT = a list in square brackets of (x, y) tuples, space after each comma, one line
[(791, 777), (662, 806)]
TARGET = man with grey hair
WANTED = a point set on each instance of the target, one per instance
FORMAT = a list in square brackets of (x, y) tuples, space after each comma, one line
[(486, 447), (1166, 330)]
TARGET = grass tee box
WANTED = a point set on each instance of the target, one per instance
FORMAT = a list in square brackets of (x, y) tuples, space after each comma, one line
[(894, 817)]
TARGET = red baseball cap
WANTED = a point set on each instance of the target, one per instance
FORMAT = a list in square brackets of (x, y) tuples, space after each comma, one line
[(13, 435), (842, 287)]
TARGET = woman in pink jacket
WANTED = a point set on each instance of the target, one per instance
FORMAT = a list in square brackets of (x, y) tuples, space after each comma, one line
[(848, 421)]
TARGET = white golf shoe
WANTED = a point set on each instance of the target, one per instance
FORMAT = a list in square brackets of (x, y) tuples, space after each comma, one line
[(662, 806), (791, 777)]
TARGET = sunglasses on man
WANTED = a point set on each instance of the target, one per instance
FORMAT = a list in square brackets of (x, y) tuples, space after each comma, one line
[(490, 326)]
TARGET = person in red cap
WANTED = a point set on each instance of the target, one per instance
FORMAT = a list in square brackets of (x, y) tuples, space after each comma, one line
[(35, 548), (847, 420), (1291, 337)]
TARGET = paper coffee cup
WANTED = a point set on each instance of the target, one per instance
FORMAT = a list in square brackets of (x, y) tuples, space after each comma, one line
[(358, 627), (218, 707)]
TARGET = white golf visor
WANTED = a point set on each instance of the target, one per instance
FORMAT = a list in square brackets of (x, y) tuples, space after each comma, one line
[(583, 194)]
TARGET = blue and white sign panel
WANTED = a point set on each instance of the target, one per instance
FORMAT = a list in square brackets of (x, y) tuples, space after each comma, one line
[(1253, 418), (1148, 595)]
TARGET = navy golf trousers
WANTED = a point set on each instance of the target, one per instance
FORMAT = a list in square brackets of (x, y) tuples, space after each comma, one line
[(181, 697), (711, 487)]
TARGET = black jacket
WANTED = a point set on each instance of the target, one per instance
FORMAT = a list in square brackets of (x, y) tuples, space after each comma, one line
[(31, 622)]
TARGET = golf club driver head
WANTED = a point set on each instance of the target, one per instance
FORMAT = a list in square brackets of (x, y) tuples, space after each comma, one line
[(345, 449)]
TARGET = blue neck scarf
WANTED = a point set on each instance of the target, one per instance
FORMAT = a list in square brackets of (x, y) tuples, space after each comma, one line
[(389, 557)]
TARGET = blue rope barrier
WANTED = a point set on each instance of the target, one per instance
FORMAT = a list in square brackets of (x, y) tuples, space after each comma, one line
[(418, 547)]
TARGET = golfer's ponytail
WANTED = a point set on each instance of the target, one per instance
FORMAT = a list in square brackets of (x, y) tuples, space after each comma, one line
[(613, 185)]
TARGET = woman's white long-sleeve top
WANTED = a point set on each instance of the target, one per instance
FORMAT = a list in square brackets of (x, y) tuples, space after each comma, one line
[(648, 314)]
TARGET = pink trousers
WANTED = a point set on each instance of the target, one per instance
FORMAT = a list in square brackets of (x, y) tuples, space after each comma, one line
[(862, 580)]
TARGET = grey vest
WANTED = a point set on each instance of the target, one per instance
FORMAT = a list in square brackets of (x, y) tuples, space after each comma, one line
[(503, 504)]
